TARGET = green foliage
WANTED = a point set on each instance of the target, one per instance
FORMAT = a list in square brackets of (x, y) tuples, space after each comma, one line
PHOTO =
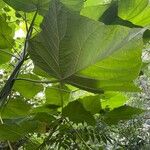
[(26, 88), (40, 72), (76, 113), (66, 81), (75, 5), (62, 58), (121, 113), (6, 34), (94, 9), (6, 40), (2, 4), (57, 95), (15, 108), (92, 103), (42, 5), (136, 11), (113, 100), (14, 131), (4, 56), (44, 117), (29, 5)]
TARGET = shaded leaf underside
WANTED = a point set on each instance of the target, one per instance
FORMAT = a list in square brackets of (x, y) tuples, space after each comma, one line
[(70, 45)]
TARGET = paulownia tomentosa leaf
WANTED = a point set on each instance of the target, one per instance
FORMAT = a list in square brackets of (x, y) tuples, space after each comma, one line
[(113, 100), (6, 34), (91, 103), (4, 56), (109, 100), (6, 40), (15, 108), (42, 5), (18, 127), (121, 114), (95, 9), (135, 11), (57, 95), (27, 88), (29, 5), (75, 5), (72, 47), (43, 117), (106, 12), (40, 72), (13, 131), (77, 113)]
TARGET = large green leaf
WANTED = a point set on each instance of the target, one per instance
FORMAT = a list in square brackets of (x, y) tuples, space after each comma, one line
[(110, 17), (113, 100), (28, 88), (91, 103), (29, 5), (77, 113), (117, 71), (136, 11), (122, 113), (40, 72), (14, 132), (94, 12), (57, 95), (75, 5), (69, 43), (85, 83), (44, 117), (42, 5), (94, 9), (6, 41), (4, 56), (109, 100), (15, 108), (6, 34), (2, 4)]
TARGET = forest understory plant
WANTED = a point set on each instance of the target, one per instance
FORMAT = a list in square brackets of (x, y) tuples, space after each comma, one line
[(68, 71)]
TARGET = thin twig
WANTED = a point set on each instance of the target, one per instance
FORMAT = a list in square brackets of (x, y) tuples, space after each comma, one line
[(29, 33), (61, 96), (26, 22)]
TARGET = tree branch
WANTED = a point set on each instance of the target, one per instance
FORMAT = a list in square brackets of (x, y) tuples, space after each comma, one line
[(10, 82)]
